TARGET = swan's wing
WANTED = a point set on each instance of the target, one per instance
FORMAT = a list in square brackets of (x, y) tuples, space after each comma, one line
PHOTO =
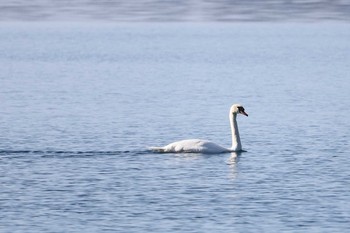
[(212, 148), (191, 146)]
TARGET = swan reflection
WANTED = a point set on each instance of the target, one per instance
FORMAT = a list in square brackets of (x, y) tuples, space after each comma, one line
[(232, 163), (233, 159)]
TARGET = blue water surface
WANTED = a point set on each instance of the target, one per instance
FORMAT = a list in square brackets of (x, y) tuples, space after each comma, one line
[(81, 102)]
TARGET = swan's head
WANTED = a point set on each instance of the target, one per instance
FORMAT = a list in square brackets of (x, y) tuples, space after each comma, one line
[(238, 109)]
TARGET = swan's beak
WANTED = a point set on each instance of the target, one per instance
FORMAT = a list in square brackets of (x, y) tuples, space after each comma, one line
[(244, 113)]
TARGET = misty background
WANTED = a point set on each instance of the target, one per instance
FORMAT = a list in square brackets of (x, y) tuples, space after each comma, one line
[(175, 10)]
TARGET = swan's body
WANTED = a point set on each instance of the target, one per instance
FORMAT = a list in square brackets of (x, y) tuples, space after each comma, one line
[(207, 147), (191, 146)]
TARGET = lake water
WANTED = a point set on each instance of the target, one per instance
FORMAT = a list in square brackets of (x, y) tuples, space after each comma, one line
[(81, 102)]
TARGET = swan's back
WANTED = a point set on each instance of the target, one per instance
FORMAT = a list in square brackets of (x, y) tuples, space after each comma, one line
[(191, 146)]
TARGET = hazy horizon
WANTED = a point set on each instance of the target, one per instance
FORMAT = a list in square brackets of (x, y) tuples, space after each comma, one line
[(157, 11)]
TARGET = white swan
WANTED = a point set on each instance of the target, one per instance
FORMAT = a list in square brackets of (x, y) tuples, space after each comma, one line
[(206, 147)]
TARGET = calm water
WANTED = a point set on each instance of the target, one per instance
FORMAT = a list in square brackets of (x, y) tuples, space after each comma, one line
[(80, 104)]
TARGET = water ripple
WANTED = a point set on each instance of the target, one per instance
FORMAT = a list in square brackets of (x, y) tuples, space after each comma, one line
[(59, 153)]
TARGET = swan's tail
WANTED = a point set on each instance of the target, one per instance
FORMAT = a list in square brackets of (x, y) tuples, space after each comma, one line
[(157, 149)]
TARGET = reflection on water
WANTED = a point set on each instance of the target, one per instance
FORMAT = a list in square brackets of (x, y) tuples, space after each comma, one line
[(233, 159), (232, 163), (194, 10)]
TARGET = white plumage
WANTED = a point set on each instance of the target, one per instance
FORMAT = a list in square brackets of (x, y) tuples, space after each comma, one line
[(207, 147)]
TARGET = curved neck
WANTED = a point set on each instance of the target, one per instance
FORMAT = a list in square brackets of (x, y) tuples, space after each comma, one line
[(236, 140)]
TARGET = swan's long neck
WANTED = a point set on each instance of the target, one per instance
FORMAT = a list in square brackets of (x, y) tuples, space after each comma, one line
[(236, 140)]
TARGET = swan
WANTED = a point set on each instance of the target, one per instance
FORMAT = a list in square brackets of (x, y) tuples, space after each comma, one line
[(207, 147)]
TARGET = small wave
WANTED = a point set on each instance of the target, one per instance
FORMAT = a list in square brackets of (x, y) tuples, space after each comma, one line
[(63, 153)]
